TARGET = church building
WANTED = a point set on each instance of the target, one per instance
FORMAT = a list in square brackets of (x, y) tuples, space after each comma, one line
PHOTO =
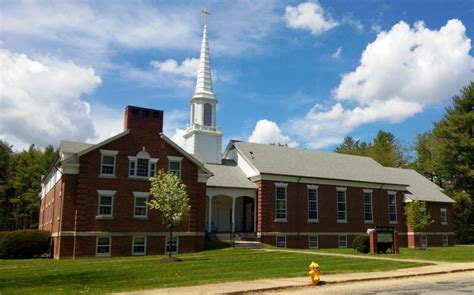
[(94, 196)]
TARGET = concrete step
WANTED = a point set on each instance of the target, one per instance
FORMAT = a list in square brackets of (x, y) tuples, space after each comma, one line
[(247, 244)]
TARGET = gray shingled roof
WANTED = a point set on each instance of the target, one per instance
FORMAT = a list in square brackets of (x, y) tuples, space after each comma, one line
[(73, 147), (228, 176), (269, 159), (419, 186)]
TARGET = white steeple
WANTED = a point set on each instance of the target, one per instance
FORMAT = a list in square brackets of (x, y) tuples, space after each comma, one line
[(203, 138)]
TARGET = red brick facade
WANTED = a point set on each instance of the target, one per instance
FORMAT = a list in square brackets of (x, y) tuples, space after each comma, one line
[(70, 208)]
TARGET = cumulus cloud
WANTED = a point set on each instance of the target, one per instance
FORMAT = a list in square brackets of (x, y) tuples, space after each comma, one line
[(187, 68), (309, 16), (400, 73), (41, 100), (267, 131), (337, 53), (174, 120)]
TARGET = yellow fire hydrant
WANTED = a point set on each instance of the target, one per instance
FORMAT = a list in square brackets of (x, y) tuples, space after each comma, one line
[(314, 272)]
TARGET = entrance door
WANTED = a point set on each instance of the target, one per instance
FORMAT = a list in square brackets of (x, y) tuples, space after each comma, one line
[(248, 217)]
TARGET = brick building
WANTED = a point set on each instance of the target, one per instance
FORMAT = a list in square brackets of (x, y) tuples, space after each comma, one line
[(94, 196)]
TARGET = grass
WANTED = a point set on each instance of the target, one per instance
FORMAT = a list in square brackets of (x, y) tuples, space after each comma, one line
[(101, 275), (449, 254)]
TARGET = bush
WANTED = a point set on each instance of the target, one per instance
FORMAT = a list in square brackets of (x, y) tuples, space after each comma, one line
[(361, 244), (23, 244), (382, 247)]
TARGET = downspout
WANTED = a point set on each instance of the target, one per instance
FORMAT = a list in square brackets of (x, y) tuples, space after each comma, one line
[(297, 213), (381, 206)]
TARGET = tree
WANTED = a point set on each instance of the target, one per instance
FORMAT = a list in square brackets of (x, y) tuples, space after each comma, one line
[(350, 146), (386, 150), (416, 215), (5, 206), (170, 198)]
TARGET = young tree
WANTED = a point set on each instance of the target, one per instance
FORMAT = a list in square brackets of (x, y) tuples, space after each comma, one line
[(170, 198), (416, 215)]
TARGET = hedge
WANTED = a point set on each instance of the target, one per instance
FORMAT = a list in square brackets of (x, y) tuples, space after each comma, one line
[(361, 244), (24, 244)]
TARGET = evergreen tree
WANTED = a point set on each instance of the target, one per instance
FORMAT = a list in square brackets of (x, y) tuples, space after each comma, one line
[(386, 150), (5, 206), (350, 146)]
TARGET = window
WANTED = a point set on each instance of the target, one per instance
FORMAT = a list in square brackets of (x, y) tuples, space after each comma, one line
[(142, 165), (368, 218), (103, 246), (342, 241), (392, 207), (281, 241), (445, 240), (341, 205), (312, 203), (444, 216), (175, 165), (139, 246), (281, 201), (107, 163), (173, 245), (207, 114), (424, 241), (105, 203), (313, 242), (140, 208)]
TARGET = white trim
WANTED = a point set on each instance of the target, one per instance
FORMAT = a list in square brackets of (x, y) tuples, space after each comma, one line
[(105, 193), (312, 186), (277, 186), (108, 152), (89, 149), (172, 159), (368, 191), (339, 241), (425, 233), (133, 246), (309, 241), (140, 195), (123, 234), (276, 241), (394, 194), (345, 205), (175, 159), (341, 189), (445, 211), (177, 244), (97, 246)]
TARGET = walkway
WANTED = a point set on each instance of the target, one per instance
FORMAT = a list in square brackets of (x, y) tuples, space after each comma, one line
[(281, 284)]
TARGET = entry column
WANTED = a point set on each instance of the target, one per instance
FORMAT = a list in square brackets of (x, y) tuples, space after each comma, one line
[(209, 221), (233, 214)]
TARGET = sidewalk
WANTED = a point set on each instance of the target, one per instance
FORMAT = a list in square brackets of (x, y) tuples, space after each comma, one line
[(263, 285)]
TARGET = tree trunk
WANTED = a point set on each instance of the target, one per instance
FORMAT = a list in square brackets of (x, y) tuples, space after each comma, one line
[(169, 241)]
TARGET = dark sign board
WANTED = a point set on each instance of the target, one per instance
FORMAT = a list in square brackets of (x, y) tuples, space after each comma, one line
[(384, 229)]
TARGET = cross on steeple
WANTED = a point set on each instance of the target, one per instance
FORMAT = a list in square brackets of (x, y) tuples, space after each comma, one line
[(206, 14)]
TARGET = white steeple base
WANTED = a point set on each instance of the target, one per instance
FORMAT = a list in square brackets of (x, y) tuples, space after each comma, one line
[(204, 143)]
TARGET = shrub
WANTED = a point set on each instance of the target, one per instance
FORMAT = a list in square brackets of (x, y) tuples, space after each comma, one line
[(361, 244), (382, 247), (23, 244)]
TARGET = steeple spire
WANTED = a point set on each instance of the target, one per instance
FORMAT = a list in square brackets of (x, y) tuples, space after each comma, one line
[(204, 76)]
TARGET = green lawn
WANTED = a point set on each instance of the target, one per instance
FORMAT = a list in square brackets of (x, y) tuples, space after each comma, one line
[(451, 254), (100, 275)]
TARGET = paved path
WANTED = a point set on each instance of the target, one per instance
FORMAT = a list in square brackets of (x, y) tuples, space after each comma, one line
[(293, 284)]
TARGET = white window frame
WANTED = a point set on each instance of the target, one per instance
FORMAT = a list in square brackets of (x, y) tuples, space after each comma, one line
[(168, 249), (97, 246), (341, 189), (144, 246), (176, 160), (368, 191), (105, 193), (339, 241), (279, 244), (309, 242), (285, 186), (316, 189), (424, 237), (445, 240), (140, 195), (394, 195), (443, 212), (108, 153), (152, 162)]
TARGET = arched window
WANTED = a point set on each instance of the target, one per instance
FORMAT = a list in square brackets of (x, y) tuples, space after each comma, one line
[(142, 165), (207, 114)]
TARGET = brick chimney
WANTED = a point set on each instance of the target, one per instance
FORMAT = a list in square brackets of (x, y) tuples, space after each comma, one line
[(144, 120)]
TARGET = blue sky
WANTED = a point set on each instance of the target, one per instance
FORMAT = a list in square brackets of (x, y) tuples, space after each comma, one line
[(305, 73)]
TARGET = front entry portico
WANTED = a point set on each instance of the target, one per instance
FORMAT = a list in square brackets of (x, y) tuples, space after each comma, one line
[(231, 210)]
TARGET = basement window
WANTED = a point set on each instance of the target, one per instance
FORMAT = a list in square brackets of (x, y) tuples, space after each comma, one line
[(280, 242), (103, 246)]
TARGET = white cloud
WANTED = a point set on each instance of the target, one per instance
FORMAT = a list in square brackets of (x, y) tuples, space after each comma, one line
[(309, 16), (337, 53), (174, 120), (187, 68), (354, 23), (268, 132), (41, 100), (400, 73), (376, 28), (411, 64)]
